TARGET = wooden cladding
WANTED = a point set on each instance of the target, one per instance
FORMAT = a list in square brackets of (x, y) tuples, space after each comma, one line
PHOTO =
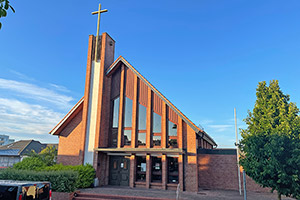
[(157, 104), (172, 116), (143, 93), (129, 85), (115, 84)]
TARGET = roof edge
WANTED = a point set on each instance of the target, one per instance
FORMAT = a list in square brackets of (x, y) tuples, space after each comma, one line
[(113, 66), (66, 117)]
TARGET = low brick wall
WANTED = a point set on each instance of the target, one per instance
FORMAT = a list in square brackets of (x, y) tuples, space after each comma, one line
[(217, 169), (60, 196)]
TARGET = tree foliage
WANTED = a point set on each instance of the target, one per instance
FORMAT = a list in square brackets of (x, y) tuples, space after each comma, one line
[(271, 143), (4, 6)]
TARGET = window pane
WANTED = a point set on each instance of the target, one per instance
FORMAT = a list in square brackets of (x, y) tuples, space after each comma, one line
[(127, 137), (128, 112), (172, 135), (172, 170), (172, 128), (115, 119), (141, 168), (142, 117), (142, 139), (157, 140), (156, 169), (156, 124)]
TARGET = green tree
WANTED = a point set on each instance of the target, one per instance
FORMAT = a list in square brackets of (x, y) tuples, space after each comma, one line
[(270, 144), (49, 155), (4, 6)]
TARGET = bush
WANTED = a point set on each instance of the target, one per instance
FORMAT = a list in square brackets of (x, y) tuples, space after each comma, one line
[(30, 163), (86, 173), (61, 181)]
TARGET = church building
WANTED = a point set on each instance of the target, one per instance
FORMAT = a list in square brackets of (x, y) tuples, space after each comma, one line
[(130, 132)]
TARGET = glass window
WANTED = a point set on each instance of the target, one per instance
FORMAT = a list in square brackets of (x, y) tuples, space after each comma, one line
[(127, 137), (128, 113), (116, 103), (141, 168), (142, 139), (113, 139), (156, 123), (156, 129), (156, 169), (142, 125), (172, 170), (127, 121), (172, 135), (157, 140), (142, 117)]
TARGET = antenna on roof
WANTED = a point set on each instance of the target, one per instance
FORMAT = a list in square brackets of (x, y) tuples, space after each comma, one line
[(201, 127)]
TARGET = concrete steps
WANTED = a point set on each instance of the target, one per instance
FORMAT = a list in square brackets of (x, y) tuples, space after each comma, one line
[(91, 196)]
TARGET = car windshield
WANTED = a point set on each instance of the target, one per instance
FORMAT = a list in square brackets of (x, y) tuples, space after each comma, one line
[(8, 192)]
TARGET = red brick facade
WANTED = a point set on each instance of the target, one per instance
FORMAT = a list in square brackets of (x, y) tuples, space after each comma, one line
[(220, 171), (120, 80)]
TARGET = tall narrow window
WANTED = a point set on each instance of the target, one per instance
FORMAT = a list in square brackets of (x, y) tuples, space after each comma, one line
[(156, 129), (172, 135), (156, 169), (127, 121), (142, 125), (172, 170), (141, 168), (115, 122)]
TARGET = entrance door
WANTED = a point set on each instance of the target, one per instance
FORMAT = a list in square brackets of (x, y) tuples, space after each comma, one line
[(119, 171)]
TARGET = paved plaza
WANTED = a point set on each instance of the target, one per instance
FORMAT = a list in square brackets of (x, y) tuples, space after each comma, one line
[(166, 194)]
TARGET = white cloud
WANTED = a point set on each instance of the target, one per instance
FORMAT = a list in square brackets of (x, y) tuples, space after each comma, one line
[(59, 87), (221, 127), (21, 76), (36, 92), (21, 120)]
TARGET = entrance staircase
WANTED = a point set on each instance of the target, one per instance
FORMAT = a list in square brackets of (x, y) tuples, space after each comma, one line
[(92, 196)]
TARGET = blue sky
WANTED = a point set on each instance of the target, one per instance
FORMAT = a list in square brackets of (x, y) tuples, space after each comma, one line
[(205, 56)]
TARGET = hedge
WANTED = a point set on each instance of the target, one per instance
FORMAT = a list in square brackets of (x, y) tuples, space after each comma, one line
[(86, 173), (61, 181)]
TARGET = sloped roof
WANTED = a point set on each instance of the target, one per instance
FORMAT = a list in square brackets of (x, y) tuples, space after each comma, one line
[(67, 118), (9, 152), (16, 146), (121, 59)]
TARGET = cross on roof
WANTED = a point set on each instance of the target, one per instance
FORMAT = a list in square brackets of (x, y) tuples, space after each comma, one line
[(99, 11)]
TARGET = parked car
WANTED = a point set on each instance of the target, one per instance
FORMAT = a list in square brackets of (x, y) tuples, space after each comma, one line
[(24, 190)]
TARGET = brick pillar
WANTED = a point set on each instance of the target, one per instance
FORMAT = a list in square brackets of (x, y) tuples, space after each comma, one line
[(149, 119), (148, 170), (121, 108), (180, 133), (181, 172), (164, 137), (164, 171), (191, 167), (132, 170), (134, 113)]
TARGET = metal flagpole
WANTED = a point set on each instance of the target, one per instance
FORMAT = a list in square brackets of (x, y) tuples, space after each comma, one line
[(237, 152)]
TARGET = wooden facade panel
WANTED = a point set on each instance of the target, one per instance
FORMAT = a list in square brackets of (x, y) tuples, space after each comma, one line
[(129, 85), (172, 116), (157, 104), (143, 93), (115, 84)]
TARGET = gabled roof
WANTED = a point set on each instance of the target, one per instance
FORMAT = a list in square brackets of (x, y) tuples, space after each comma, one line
[(16, 147), (117, 64), (9, 152), (67, 118)]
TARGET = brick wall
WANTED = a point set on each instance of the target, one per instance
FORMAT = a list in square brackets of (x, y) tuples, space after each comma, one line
[(218, 170), (70, 150)]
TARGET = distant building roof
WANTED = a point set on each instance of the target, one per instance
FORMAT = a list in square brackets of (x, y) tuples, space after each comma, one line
[(9, 152), (23, 147)]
